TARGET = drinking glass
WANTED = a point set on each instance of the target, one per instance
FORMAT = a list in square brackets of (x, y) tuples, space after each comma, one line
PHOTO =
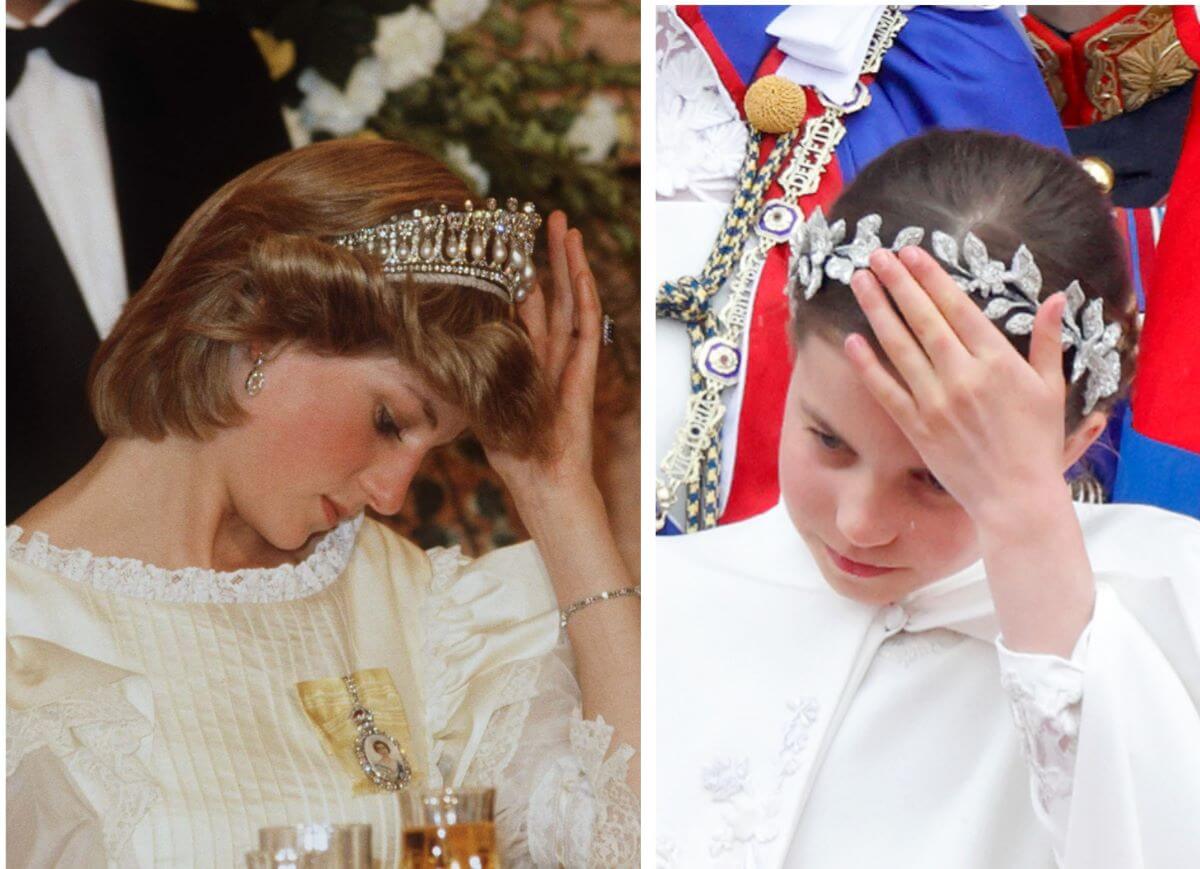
[(452, 828), (312, 846)]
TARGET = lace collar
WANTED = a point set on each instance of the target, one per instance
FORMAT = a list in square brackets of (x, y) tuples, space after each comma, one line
[(133, 578)]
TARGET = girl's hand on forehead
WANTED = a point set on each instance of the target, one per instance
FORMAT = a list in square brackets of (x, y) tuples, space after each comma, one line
[(989, 425), (987, 422)]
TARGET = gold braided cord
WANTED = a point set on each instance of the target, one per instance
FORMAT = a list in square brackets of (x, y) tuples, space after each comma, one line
[(694, 458), (702, 479), (721, 259)]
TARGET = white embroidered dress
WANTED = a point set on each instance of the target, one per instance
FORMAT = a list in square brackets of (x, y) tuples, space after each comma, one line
[(154, 716), (798, 728)]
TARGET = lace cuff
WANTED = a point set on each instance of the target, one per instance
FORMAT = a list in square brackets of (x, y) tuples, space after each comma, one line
[(582, 812), (1046, 697), (562, 797), (504, 712)]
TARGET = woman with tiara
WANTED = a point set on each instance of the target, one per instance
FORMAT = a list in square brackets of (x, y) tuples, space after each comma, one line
[(926, 655), (205, 632)]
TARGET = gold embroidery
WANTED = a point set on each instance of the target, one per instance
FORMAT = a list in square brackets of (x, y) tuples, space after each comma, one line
[(1154, 66), (327, 706), (1051, 68), (1134, 61)]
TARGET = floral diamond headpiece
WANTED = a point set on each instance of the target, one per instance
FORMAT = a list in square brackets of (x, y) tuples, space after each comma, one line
[(820, 250)]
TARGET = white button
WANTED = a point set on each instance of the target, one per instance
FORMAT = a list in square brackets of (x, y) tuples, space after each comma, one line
[(894, 618)]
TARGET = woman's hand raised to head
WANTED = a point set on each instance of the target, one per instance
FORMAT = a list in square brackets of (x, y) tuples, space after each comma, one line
[(558, 498), (564, 327)]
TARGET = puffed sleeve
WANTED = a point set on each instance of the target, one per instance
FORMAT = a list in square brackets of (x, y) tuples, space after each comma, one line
[(1112, 735), (78, 734), (505, 713)]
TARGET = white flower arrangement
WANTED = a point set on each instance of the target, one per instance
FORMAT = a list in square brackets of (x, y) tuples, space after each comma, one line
[(327, 107), (596, 129), (456, 15), (458, 158), (410, 45), (407, 48)]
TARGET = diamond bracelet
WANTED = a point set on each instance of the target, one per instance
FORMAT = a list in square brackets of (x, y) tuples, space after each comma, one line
[(563, 615)]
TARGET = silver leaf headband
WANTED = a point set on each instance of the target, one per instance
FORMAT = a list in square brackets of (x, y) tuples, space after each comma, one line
[(819, 250)]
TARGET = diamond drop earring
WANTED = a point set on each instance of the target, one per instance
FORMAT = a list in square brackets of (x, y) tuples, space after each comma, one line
[(257, 377)]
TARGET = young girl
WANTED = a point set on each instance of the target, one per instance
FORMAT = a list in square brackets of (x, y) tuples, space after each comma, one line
[(926, 655)]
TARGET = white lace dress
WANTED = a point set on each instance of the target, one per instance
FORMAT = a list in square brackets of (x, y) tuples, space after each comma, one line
[(161, 717)]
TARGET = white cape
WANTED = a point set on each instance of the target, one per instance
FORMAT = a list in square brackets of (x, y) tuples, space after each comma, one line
[(799, 728)]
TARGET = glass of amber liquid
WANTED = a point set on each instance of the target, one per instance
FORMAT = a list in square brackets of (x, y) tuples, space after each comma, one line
[(452, 828)]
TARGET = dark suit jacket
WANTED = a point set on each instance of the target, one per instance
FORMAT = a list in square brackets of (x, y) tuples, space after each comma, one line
[(188, 105)]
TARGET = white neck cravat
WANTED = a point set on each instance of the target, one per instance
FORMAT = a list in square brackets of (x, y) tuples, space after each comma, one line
[(825, 45)]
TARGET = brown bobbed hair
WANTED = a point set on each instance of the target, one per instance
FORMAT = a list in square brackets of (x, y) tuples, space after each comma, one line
[(255, 264), (1007, 191)]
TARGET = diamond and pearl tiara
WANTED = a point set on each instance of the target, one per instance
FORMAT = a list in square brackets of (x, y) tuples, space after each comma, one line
[(488, 248), (819, 250)]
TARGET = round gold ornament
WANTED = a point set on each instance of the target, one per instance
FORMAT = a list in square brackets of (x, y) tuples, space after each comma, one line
[(1100, 171), (775, 104)]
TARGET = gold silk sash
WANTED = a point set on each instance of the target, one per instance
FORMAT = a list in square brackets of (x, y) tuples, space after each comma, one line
[(327, 705)]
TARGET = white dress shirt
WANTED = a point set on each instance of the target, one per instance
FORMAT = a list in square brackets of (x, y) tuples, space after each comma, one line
[(56, 124)]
